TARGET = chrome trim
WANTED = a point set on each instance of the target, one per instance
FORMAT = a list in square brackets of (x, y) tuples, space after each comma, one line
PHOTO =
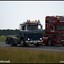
[(36, 41)]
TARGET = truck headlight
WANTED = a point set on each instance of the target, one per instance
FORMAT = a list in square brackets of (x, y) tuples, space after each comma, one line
[(40, 38), (28, 38)]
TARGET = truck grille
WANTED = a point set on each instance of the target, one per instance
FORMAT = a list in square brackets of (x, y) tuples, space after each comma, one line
[(33, 36)]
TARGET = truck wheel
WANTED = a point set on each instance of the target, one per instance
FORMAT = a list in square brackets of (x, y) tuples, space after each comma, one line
[(50, 43), (63, 44), (15, 44), (46, 44), (22, 43)]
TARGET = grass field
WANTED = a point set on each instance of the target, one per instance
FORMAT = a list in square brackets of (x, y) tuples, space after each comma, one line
[(2, 38), (21, 55)]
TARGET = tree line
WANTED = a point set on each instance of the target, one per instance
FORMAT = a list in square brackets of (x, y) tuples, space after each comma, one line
[(9, 32)]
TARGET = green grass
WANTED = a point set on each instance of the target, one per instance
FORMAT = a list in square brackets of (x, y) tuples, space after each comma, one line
[(2, 38), (22, 55), (19, 55)]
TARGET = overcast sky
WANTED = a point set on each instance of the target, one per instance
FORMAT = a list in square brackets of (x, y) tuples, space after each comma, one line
[(12, 13)]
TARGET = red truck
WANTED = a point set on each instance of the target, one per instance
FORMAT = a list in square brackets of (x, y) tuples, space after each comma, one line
[(54, 30)]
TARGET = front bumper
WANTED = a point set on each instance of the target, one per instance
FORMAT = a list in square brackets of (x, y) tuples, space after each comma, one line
[(35, 41)]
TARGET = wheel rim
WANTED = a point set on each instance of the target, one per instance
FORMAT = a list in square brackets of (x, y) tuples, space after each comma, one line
[(21, 43), (49, 42)]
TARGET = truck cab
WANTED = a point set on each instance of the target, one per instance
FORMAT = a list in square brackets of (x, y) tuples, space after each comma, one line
[(31, 32), (54, 30)]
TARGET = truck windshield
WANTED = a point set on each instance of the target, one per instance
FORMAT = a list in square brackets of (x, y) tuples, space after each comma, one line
[(61, 18), (60, 27), (34, 27)]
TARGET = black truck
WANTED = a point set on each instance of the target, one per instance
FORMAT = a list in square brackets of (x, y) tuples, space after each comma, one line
[(30, 32)]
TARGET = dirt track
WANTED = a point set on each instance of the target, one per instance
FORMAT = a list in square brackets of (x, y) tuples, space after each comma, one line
[(50, 48)]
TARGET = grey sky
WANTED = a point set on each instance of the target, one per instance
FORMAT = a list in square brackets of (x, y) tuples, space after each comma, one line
[(12, 13)]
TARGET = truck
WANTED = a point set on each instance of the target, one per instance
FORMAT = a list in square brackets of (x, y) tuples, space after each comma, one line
[(54, 30), (30, 32)]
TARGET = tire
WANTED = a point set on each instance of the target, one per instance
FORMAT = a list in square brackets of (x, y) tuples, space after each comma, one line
[(63, 44), (50, 43), (15, 44), (46, 44), (23, 43)]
